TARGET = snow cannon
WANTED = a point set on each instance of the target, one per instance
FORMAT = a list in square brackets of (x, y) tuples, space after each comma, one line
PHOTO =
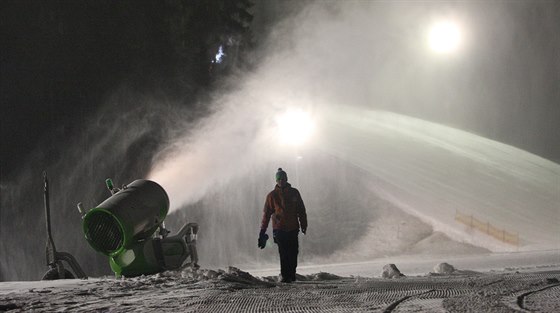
[(129, 228)]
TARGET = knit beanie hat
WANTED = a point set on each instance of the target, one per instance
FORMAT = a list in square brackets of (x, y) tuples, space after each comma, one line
[(281, 174)]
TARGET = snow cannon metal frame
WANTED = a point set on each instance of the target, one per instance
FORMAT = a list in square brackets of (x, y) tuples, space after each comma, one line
[(54, 257), (125, 228)]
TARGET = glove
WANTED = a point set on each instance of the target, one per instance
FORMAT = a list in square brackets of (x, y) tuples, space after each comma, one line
[(263, 237)]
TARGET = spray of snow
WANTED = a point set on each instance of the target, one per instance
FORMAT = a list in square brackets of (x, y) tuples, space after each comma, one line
[(326, 59)]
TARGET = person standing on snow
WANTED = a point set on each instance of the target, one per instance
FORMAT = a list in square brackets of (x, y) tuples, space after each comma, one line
[(285, 206)]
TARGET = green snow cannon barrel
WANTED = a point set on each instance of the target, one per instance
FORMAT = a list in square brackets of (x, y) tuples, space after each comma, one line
[(131, 215)]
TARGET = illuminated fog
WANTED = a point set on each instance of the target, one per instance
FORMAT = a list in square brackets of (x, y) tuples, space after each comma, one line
[(347, 65)]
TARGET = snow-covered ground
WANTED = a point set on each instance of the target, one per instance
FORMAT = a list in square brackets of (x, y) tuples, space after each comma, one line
[(414, 265), (510, 282)]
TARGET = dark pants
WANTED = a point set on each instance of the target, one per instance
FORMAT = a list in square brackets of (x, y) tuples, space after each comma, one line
[(288, 247)]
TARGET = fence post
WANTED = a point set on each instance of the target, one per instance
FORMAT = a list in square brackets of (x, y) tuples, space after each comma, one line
[(469, 220)]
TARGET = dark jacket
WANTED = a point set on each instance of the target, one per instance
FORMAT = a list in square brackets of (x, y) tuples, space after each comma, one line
[(286, 208)]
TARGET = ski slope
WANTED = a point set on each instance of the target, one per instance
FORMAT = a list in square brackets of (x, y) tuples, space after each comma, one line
[(433, 171)]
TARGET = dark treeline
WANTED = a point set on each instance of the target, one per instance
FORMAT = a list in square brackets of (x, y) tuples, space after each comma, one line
[(61, 59)]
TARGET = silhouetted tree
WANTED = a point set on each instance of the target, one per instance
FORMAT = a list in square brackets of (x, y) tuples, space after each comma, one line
[(60, 59)]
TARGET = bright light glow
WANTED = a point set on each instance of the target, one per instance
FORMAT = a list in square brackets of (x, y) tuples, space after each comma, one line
[(295, 127), (445, 37), (220, 55)]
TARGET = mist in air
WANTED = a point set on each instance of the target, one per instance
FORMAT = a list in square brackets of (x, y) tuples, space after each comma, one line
[(345, 65), (372, 56)]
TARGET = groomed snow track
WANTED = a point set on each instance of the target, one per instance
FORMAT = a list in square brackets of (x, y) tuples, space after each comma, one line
[(472, 292), (458, 293)]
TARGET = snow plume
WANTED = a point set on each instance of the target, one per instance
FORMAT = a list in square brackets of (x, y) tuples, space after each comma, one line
[(300, 67), (355, 53), (239, 137), (334, 56)]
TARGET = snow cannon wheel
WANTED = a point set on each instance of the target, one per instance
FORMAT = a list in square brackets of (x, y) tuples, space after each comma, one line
[(52, 274)]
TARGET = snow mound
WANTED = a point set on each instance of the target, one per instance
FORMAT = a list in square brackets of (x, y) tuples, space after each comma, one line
[(444, 268), (391, 271), (232, 275), (321, 276), (439, 243)]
